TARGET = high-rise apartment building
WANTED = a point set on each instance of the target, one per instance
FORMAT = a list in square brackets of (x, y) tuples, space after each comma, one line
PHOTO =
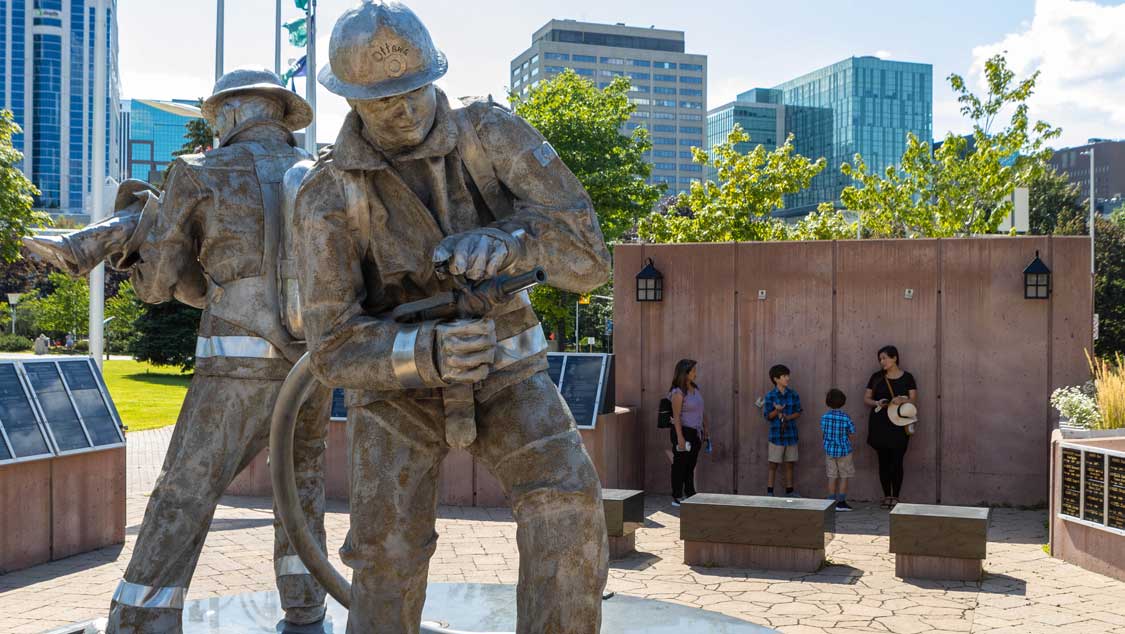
[(154, 129), (862, 105), (47, 81), (669, 86)]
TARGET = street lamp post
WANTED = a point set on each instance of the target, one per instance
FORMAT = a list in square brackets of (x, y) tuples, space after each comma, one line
[(13, 299)]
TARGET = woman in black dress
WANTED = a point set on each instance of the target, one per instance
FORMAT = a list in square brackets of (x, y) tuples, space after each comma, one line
[(890, 386)]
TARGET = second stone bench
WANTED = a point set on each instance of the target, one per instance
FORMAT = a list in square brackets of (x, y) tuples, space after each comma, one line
[(748, 531), (931, 541)]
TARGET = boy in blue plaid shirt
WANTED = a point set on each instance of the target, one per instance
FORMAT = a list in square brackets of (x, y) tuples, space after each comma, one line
[(781, 408), (838, 428)]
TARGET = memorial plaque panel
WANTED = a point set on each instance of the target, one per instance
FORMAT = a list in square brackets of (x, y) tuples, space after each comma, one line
[(1071, 482), (55, 404), (17, 416), (339, 410), (582, 386), (1093, 508), (91, 406), (1116, 483)]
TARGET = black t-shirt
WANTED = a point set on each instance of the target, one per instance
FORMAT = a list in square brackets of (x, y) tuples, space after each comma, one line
[(881, 432)]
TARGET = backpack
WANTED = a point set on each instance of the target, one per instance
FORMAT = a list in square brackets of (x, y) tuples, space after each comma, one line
[(664, 413)]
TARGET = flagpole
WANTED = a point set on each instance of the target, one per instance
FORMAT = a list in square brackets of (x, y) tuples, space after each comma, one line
[(97, 181), (310, 77), (277, 40), (219, 17)]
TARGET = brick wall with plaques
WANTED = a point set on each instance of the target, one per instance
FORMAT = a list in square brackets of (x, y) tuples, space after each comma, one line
[(1087, 515)]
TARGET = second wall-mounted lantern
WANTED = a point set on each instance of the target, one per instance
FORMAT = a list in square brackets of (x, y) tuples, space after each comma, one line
[(1036, 280)]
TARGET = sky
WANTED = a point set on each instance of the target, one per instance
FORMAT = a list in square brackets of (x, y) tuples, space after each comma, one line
[(1078, 46)]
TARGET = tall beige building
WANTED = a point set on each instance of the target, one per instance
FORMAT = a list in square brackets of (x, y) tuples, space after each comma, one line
[(669, 86)]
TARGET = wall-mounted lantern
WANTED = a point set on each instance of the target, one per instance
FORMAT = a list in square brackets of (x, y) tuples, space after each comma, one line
[(650, 284), (1036, 280)]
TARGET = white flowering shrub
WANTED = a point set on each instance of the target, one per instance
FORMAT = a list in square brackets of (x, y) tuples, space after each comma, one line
[(1077, 406)]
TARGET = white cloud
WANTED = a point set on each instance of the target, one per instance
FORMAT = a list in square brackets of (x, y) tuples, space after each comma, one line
[(883, 54), (1079, 49)]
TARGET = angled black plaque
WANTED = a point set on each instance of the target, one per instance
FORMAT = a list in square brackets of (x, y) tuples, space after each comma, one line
[(87, 397), (21, 436), (54, 402), (555, 363), (582, 385)]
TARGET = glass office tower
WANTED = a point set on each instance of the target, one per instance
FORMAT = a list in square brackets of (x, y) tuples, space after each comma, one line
[(155, 129), (47, 81), (862, 105)]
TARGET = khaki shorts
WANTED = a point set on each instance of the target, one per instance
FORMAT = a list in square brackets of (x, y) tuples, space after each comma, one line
[(782, 453), (842, 467)]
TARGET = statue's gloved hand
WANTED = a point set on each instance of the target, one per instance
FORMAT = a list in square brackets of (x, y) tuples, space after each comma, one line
[(479, 254), (465, 349), (56, 250)]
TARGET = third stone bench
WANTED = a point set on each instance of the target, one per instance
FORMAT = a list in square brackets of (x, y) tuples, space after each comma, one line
[(749, 531), (939, 542), (624, 514)]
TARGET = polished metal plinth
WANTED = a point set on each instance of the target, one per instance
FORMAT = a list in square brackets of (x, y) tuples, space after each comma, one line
[(456, 608)]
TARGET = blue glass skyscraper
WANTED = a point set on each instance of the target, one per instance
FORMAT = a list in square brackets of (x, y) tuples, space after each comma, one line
[(47, 81), (862, 105)]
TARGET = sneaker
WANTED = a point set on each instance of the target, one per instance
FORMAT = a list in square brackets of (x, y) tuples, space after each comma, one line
[(843, 505), (675, 502)]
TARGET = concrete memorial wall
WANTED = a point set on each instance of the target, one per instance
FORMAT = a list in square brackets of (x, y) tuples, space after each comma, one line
[(985, 358)]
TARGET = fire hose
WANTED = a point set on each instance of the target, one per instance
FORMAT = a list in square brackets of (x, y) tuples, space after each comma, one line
[(295, 391)]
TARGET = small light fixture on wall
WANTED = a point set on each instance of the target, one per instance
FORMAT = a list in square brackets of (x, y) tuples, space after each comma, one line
[(1036, 280), (650, 284)]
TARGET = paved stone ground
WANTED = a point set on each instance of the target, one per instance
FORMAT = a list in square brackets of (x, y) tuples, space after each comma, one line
[(1024, 591)]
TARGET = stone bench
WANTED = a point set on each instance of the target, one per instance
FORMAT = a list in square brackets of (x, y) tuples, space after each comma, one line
[(939, 542), (749, 531), (624, 514)]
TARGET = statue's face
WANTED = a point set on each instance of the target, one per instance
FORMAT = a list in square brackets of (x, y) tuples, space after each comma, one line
[(400, 122), (239, 109)]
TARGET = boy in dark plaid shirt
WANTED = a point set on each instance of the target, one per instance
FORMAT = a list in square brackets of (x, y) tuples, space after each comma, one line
[(781, 408), (838, 428)]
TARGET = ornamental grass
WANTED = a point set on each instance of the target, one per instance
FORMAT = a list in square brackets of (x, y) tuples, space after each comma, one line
[(1109, 381)]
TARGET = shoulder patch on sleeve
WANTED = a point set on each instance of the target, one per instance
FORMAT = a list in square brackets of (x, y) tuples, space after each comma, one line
[(545, 153)]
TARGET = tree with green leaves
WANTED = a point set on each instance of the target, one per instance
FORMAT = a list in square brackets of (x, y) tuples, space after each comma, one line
[(125, 309), (739, 206), (166, 335), (67, 308), (18, 218), (1053, 203), (584, 126), (1109, 286), (964, 187), (198, 136)]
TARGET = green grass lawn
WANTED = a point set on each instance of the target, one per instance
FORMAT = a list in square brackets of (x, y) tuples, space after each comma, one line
[(146, 396)]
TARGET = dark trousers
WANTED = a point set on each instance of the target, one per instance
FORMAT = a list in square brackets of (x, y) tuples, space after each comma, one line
[(891, 471), (683, 464)]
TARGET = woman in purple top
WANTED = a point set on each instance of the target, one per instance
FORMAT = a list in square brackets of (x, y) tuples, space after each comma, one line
[(689, 429)]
